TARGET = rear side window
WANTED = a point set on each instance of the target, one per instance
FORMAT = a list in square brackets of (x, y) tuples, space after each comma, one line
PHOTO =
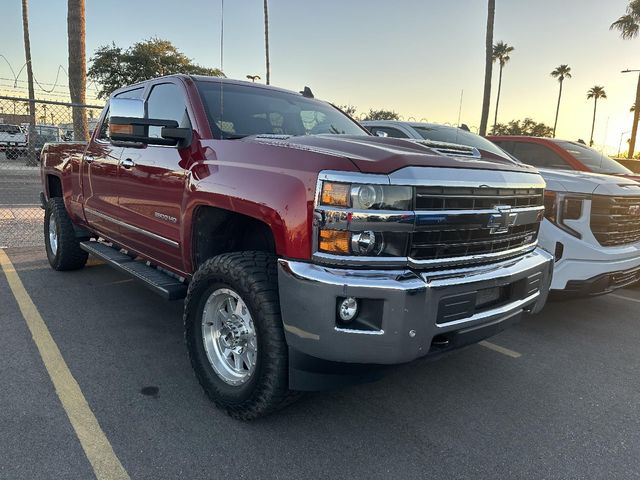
[(166, 102), (538, 155)]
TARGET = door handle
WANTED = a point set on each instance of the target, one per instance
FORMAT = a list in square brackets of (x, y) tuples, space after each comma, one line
[(89, 158), (128, 163)]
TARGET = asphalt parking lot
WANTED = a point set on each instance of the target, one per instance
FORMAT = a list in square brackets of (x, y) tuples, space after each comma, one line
[(557, 396)]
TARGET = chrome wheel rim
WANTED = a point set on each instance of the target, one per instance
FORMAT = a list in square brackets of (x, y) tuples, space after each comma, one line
[(53, 234), (229, 336)]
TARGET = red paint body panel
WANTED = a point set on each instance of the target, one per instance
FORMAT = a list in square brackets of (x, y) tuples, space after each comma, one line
[(271, 180), (566, 156)]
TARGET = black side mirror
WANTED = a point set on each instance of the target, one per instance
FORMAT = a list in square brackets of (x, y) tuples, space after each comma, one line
[(128, 126)]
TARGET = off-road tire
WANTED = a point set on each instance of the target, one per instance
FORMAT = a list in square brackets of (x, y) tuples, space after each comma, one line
[(68, 254), (253, 276)]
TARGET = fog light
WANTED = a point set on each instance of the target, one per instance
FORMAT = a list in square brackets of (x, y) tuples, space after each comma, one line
[(348, 309)]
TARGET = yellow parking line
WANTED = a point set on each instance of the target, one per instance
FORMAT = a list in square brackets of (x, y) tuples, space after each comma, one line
[(499, 349), (624, 297), (96, 446)]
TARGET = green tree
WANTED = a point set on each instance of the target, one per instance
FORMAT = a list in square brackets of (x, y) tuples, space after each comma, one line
[(381, 115), (348, 109), (596, 93), (77, 67), (112, 67), (561, 72), (501, 53), (527, 127), (488, 66), (629, 27)]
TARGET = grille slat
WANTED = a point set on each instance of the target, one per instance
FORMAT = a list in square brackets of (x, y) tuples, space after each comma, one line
[(470, 234), (615, 221)]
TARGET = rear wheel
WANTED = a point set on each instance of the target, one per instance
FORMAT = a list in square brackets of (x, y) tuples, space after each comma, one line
[(61, 243), (234, 334)]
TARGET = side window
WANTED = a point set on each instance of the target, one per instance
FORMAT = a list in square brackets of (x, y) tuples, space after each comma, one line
[(166, 102), (506, 146), (392, 132), (537, 155)]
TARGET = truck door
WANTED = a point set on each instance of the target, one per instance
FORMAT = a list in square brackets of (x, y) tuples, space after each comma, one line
[(151, 183), (100, 166), (99, 176)]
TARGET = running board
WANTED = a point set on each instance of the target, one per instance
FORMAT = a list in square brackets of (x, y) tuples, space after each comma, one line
[(158, 281)]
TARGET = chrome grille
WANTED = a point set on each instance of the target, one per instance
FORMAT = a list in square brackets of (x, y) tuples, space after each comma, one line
[(454, 198), (456, 221), (615, 220)]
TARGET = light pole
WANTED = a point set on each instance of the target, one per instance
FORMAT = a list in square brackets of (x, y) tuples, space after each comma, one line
[(636, 116), (620, 144)]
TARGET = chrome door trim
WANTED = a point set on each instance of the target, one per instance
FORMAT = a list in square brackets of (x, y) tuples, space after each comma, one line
[(131, 227)]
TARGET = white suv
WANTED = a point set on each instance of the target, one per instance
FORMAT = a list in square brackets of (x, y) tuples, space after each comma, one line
[(592, 221)]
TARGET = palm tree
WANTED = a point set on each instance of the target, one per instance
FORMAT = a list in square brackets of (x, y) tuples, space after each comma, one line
[(629, 27), (266, 40), (31, 155), (488, 66), (501, 53), (561, 72), (595, 93), (77, 67)]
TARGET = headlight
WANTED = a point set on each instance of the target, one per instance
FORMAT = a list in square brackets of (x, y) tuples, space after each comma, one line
[(366, 197), (560, 207), (366, 244)]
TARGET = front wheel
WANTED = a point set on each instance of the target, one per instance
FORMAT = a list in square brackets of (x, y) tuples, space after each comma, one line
[(234, 334), (63, 247)]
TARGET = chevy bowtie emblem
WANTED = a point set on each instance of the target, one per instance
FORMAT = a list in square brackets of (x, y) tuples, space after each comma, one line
[(634, 210), (500, 222)]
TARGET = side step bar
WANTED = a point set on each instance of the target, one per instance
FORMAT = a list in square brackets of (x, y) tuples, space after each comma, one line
[(156, 280)]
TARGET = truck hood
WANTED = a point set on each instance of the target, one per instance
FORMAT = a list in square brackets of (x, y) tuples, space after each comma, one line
[(383, 155), (588, 183)]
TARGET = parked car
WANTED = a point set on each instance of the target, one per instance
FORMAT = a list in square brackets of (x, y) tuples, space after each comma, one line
[(592, 221), (561, 154), (310, 252), (631, 163), (13, 141), (46, 134)]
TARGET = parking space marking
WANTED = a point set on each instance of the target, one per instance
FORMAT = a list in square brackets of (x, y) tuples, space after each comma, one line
[(499, 349), (95, 444), (624, 297)]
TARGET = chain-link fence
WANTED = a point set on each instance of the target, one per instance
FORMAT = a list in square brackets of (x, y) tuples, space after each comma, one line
[(25, 126)]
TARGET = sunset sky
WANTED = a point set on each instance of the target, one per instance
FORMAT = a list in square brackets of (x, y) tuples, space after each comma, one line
[(411, 56)]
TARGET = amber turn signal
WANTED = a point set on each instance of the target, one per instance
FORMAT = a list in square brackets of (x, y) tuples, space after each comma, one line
[(336, 194), (334, 241), (121, 129)]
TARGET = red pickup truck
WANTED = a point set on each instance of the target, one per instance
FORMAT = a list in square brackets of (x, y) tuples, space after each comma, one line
[(310, 254)]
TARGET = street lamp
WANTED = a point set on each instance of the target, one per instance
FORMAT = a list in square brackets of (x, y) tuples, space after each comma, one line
[(253, 78), (620, 144), (636, 115)]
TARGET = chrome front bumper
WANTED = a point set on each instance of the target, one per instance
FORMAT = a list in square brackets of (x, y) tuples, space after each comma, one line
[(412, 307)]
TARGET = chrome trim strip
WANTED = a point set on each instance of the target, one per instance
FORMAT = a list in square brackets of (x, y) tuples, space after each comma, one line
[(131, 227), (361, 332), (355, 261)]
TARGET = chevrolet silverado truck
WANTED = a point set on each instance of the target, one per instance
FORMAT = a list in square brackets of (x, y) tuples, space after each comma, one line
[(13, 141), (310, 254), (592, 221)]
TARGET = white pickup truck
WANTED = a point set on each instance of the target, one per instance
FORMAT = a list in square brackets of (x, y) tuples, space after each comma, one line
[(13, 141), (592, 221)]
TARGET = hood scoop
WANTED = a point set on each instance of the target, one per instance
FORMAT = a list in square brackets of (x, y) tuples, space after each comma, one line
[(451, 149)]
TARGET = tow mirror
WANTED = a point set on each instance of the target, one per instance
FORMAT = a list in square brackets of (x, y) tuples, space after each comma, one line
[(128, 126)]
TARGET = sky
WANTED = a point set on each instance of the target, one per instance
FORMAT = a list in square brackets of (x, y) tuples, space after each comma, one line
[(417, 57)]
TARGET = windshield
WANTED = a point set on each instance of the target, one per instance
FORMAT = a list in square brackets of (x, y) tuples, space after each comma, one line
[(596, 161), (237, 111), (12, 129), (461, 137)]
